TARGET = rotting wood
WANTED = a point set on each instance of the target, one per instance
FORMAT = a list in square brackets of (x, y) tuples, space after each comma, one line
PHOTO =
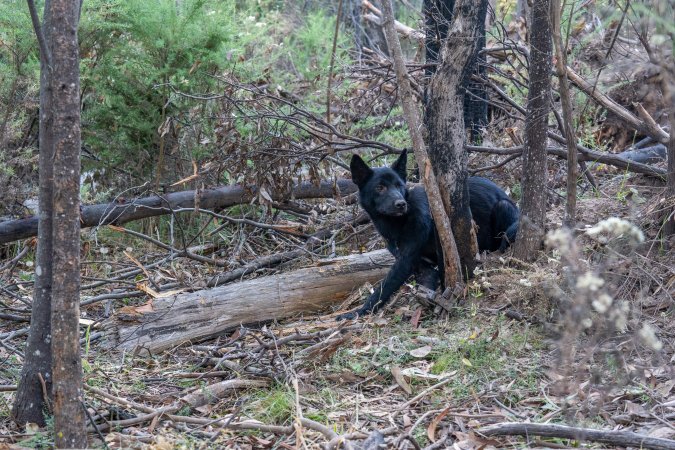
[(187, 317), (222, 197)]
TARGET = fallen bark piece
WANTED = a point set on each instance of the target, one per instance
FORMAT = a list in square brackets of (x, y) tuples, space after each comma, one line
[(215, 391), (189, 317), (618, 438)]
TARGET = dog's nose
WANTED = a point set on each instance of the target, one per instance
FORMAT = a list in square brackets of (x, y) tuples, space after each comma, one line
[(400, 204)]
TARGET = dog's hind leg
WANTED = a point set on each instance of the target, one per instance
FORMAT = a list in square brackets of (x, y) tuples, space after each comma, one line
[(427, 275)]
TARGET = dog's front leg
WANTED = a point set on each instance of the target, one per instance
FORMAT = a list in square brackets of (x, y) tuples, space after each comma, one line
[(399, 273)]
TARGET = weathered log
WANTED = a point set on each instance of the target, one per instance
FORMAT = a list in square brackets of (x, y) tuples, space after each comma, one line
[(223, 197), (613, 437), (645, 155), (194, 316)]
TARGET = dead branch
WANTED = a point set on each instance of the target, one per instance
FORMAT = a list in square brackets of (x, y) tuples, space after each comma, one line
[(618, 438), (647, 125), (223, 197), (404, 30), (585, 154)]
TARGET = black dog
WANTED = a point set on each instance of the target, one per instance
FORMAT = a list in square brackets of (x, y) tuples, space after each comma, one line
[(402, 217)]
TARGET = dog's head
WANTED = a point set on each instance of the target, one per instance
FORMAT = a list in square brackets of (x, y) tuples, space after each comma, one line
[(382, 189)]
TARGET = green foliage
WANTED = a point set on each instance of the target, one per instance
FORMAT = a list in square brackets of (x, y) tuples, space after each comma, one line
[(272, 406), (133, 53), (312, 46), (19, 70), (42, 438)]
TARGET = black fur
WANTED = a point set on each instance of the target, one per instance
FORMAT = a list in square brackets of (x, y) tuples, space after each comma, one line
[(402, 217)]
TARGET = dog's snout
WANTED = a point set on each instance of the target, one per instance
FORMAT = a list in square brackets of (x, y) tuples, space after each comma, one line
[(400, 205)]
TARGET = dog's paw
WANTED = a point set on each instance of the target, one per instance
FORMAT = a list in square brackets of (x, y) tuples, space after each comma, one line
[(350, 315)]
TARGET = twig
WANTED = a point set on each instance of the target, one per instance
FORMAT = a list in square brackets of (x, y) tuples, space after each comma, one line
[(9, 265), (422, 394), (494, 166), (93, 424), (618, 438)]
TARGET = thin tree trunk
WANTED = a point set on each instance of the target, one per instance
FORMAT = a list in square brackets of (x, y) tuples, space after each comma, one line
[(446, 104), (69, 424), (452, 268), (669, 92), (668, 89), (535, 171), (572, 163), (30, 402)]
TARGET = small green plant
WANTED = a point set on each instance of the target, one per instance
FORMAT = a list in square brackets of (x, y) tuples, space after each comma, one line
[(41, 439), (273, 406)]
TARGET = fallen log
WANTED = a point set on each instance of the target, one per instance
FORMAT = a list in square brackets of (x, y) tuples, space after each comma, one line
[(613, 437), (163, 323), (223, 197), (646, 155)]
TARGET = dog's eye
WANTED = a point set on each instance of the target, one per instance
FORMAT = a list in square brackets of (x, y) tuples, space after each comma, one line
[(380, 188)]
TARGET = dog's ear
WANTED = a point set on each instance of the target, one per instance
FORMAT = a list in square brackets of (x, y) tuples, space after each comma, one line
[(400, 165), (360, 171)]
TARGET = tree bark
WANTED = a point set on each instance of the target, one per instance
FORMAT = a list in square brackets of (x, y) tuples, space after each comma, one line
[(438, 16), (223, 197), (444, 116), (30, 401), (167, 322), (69, 423), (535, 171), (439, 212), (565, 101)]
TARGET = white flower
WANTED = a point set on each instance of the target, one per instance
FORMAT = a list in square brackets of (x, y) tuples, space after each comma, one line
[(525, 282), (590, 281), (619, 316), (602, 303), (615, 227), (560, 239), (648, 336)]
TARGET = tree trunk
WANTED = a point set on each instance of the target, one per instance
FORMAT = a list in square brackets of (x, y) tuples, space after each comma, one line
[(535, 171), (668, 88), (223, 197), (522, 10), (167, 322), (444, 113), (451, 262), (69, 424), (30, 401), (438, 15), (565, 101)]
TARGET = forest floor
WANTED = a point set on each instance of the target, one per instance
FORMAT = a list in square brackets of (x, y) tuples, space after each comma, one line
[(503, 354)]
